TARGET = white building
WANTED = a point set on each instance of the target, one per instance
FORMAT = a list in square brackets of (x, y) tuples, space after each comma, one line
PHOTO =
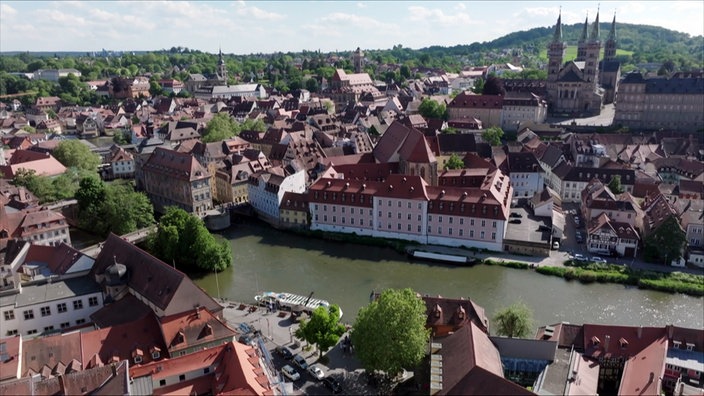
[(47, 306), (55, 74), (519, 107), (266, 190)]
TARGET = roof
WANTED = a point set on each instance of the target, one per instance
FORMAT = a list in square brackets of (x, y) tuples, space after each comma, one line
[(471, 101), (458, 312), (10, 358), (643, 371), (162, 285), (471, 365), (173, 164), (193, 328), (49, 352)]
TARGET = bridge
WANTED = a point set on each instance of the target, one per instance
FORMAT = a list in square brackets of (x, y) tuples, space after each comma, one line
[(133, 237)]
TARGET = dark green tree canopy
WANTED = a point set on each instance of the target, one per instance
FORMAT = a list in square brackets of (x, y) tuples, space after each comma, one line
[(514, 321), (183, 239), (615, 185), (323, 328), (665, 243), (430, 108), (73, 153), (493, 135), (390, 334), (454, 162)]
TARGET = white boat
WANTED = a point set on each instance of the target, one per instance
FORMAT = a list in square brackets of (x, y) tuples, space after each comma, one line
[(293, 302)]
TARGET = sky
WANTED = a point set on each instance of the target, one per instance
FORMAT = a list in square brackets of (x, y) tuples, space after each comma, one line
[(246, 27)]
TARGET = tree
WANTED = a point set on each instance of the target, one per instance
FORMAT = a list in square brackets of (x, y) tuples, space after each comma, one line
[(220, 127), (389, 334), (494, 86), (615, 185), (478, 86), (323, 328), (183, 239), (514, 321), (493, 135), (454, 162), (75, 153), (666, 242), (429, 108)]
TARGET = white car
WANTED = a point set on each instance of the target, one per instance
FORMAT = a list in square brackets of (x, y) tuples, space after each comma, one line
[(290, 373), (555, 245), (597, 260), (316, 372), (579, 257)]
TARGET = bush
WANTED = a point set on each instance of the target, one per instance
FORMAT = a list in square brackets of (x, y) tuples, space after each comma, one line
[(554, 271)]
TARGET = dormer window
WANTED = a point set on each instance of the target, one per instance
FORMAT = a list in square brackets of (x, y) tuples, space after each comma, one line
[(156, 352), (595, 341), (623, 343)]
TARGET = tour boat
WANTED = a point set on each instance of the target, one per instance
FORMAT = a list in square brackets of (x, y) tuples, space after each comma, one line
[(293, 302)]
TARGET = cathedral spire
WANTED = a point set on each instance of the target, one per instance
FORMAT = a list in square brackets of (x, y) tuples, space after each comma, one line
[(612, 33), (557, 36), (584, 30), (595, 28)]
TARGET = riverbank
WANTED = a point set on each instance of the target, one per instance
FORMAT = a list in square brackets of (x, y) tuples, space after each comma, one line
[(561, 266)]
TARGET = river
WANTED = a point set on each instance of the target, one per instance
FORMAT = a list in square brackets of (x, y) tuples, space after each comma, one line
[(345, 274)]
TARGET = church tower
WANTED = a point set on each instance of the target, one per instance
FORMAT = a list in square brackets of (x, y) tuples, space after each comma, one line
[(357, 60), (556, 51), (582, 45), (610, 47), (222, 68), (593, 48)]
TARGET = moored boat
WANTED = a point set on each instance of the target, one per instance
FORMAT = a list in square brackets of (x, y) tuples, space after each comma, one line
[(292, 302)]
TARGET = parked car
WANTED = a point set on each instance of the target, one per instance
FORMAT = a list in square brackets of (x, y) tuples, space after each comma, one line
[(316, 372), (247, 339), (300, 361), (284, 352), (597, 259), (332, 384), (246, 328), (290, 373), (555, 245), (579, 257), (515, 221), (579, 237), (514, 214)]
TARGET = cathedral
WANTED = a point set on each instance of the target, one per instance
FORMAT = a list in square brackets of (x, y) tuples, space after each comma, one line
[(583, 85)]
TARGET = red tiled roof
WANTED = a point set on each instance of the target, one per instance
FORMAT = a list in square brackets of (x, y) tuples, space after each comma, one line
[(643, 371), (174, 164)]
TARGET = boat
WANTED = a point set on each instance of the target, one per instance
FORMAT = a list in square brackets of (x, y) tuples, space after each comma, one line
[(447, 258), (293, 302)]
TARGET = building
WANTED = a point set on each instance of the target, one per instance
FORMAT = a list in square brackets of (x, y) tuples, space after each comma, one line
[(40, 226), (519, 107), (345, 88), (55, 74), (405, 207), (123, 88), (573, 86), (232, 180), (294, 211), (485, 108), (655, 103), (267, 188), (609, 67), (610, 238), (171, 86), (177, 179)]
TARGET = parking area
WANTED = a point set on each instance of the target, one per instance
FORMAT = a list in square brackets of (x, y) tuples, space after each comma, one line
[(277, 329)]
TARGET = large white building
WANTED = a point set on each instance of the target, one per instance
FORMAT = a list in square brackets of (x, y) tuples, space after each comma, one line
[(267, 188)]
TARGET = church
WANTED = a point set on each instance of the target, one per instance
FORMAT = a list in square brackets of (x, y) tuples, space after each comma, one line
[(583, 85)]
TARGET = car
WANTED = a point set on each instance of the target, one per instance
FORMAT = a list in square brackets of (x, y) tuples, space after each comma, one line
[(246, 328), (332, 384), (316, 372), (576, 220), (579, 257), (555, 245), (515, 221), (597, 259), (579, 237), (300, 361), (247, 339), (514, 214), (284, 352), (290, 373)]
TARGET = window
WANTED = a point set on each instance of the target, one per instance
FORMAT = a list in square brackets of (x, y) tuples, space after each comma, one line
[(49, 328), (12, 332), (65, 325), (493, 224), (471, 233), (33, 331), (138, 359), (493, 235), (61, 307), (162, 382), (46, 311), (483, 223), (206, 370), (9, 315), (182, 377), (419, 218), (439, 219), (80, 322), (461, 221), (471, 222), (439, 230), (481, 235), (156, 355), (77, 304), (28, 314), (399, 215)]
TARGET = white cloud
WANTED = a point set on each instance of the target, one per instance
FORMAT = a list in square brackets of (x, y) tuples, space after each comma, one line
[(244, 10), (361, 5), (437, 16), (7, 11)]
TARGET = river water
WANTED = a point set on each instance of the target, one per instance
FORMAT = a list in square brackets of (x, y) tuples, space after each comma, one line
[(345, 274)]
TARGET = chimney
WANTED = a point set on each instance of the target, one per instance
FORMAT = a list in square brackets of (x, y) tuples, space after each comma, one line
[(670, 331)]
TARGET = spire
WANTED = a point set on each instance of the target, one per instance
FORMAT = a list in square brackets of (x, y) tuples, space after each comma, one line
[(612, 33), (557, 36), (584, 30), (221, 61), (595, 28)]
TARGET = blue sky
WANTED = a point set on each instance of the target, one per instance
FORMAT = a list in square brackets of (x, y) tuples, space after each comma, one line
[(269, 26)]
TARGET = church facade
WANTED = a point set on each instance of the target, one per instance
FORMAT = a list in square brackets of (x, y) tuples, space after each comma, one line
[(580, 87)]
